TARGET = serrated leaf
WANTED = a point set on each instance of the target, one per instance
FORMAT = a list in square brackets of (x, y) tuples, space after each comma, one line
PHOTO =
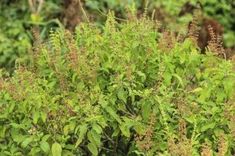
[(56, 149)]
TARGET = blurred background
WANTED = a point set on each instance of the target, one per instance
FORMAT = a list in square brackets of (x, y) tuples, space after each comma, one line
[(19, 17)]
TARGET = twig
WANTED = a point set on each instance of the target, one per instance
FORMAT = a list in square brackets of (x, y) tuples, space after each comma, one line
[(83, 11), (40, 5)]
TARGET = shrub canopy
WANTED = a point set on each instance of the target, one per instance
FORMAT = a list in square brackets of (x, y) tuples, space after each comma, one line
[(124, 89)]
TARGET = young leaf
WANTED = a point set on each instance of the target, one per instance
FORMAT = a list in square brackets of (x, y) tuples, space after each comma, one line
[(56, 149)]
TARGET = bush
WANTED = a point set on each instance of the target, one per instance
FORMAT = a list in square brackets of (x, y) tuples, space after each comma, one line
[(123, 89), (17, 18)]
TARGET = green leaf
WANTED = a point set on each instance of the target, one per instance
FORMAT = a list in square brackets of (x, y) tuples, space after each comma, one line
[(139, 128), (113, 114), (93, 149), (16, 136), (196, 90), (179, 79), (182, 58), (97, 128), (142, 75), (122, 95), (125, 130), (204, 94), (26, 142), (94, 138), (36, 116), (46, 137), (56, 149), (190, 119), (167, 78), (228, 86), (11, 108), (2, 131), (146, 110), (18, 126), (45, 146), (207, 126), (126, 126), (116, 132), (34, 151), (82, 132), (43, 116), (66, 129)]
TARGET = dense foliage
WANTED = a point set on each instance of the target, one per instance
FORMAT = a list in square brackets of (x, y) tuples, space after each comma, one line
[(13, 37), (17, 18), (123, 89)]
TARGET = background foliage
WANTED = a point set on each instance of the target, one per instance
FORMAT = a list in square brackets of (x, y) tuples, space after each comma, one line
[(17, 20)]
